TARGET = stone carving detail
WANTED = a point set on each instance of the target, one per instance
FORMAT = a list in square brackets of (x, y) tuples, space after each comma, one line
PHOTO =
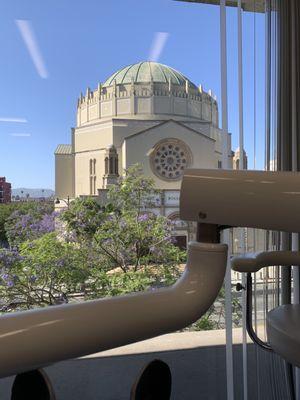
[(170, 158)]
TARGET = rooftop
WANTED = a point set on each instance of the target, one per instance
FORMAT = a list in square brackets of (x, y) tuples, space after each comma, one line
[(63, 149), (147, 71)]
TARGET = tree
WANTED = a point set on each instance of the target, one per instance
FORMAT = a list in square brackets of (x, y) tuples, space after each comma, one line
[(114, 248), (5, 212), (43, 272), (83, 218), (125, 236), (19, 208), (28, 222), (214, 318)]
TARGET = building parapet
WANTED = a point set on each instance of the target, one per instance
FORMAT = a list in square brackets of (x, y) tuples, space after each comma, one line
[(146, 98)]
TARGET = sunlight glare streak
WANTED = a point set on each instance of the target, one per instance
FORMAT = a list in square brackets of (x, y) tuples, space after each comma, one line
[(17, 120), (158, 45), (20, 134), (30, 41)]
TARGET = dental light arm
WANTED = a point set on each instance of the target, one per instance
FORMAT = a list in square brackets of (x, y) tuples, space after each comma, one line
[(35, 338), (253, 262), (213, 198), (257, 199), (31, 339)]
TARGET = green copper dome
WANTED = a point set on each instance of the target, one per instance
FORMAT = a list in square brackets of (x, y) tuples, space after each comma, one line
[(145, 72)]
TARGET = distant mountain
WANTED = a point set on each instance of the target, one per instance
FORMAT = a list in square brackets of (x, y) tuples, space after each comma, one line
[(33, 193)]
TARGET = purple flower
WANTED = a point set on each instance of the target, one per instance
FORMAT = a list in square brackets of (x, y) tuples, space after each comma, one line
[(143, 217), (10, 283), (30, 226), (5, 276), (123, 224), (7, 280), (9, 257)]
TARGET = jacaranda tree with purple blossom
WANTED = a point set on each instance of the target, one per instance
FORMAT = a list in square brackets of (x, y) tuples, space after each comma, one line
[(83, 218), (29, 223), (131, 243), (7, 210), (91, 250)]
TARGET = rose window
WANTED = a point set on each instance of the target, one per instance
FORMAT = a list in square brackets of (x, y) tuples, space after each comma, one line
[(170, 158)]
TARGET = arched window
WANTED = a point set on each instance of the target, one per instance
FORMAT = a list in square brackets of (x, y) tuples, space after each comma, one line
[(111, 161), (93, 177), (91, 185), (111, 165)]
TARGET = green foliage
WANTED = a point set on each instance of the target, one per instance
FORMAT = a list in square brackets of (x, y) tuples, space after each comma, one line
[(131, 235), (110, 250), (214, 318), (125, 233), (205, 323), (83, 217), (5, 211), (133, 193), (46, 271), (116, 282)]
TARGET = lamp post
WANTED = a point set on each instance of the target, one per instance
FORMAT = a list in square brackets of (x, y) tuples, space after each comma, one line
[(67, 202)]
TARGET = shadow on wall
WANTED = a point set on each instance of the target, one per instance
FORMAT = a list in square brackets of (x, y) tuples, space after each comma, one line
[(197, 373)]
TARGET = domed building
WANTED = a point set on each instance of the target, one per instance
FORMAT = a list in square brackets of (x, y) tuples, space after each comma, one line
[(146, 113)]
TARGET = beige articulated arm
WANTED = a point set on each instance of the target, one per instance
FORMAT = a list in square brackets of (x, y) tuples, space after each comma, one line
[(253, 262), (257, 199), (283, 323), (32, 339)]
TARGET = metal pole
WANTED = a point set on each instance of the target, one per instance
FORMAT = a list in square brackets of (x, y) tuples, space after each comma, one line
[(294, 113), (296, 276), (242, 166), (228, 307), (268, 86), (240, 83)]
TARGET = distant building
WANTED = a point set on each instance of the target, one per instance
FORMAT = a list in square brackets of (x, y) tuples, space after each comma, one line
[(5, 191), (236, 164), (146, 113), (247, 240)]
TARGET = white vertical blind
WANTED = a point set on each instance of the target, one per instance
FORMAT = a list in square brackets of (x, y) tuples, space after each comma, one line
[(242, 166), (226, 238)]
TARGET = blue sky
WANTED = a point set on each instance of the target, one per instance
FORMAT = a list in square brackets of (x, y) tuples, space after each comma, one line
[(82, 43)]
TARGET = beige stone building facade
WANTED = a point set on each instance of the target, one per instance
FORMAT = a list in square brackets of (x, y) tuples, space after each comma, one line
[(145, 113)]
